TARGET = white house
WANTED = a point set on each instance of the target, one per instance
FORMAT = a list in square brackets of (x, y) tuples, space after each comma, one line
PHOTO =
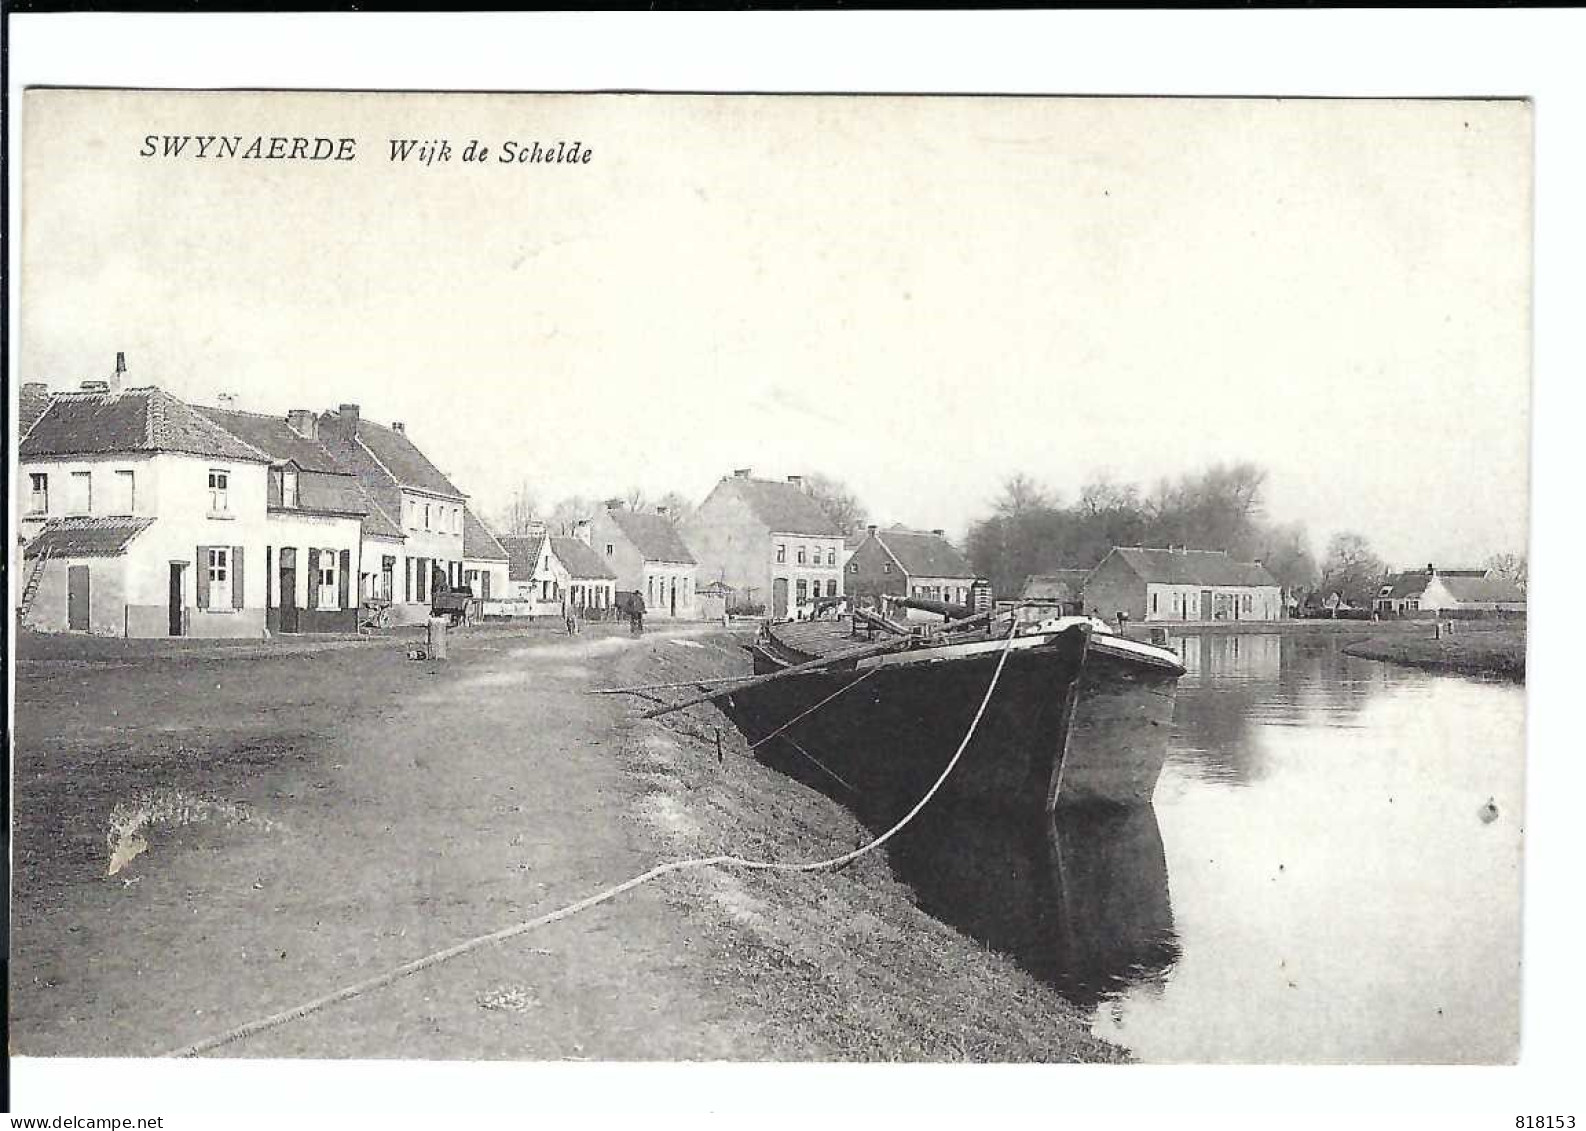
[(647, 556), (410, 496), (1179, 584), (1434, 590), (485, 560), (316, 508), (148, 518)]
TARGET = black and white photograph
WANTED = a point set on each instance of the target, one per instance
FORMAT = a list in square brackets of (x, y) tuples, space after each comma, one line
[(622, 577)]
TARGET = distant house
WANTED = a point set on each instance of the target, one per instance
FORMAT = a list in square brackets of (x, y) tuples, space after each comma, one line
[(485, 559), (149, 518), (1061, 588), (1434, 590), (411, 496), (549, 572), (1180, 584), (533, 581), (591, 585), (648, 556), (34, 398), (316, 509), (767, 539), (910, 563)]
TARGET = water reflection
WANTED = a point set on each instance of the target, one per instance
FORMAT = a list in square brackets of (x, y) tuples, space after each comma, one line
[(1080, 900)]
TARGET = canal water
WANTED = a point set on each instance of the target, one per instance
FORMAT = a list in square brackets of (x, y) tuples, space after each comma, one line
[(1321, 878)]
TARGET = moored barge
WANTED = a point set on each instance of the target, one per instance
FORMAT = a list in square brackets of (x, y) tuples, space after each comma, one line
[(1080, 716)]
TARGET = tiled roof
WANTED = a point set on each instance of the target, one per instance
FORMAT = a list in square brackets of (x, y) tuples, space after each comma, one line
[(1474, 590), (134, 420), (1411, 583), (478, 543), (276, 438), (924, 555), (784, 507), (1060, 584), (580, 560), (31, 403), (656, 539), (1192, 567), (86, 537), (523, 554), (402, 458)]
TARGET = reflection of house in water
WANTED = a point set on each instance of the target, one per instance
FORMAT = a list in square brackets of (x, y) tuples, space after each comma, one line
[(1079, 900), (1213, 656)]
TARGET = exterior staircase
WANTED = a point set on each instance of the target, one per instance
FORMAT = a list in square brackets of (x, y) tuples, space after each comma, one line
[(31, 589)]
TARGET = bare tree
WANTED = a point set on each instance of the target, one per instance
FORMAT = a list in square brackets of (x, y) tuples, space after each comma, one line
[(677, 506), (1351, 569), (569, 512), (1511, 567), (838, 500), (1020, 496), (518, 516), (636, 499)]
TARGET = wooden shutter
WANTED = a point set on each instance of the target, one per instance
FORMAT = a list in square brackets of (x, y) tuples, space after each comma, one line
[(344, 578), (236, 577), (201, 578), (313, 578)]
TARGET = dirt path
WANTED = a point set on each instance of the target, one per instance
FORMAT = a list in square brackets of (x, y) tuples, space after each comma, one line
[(346, 812)]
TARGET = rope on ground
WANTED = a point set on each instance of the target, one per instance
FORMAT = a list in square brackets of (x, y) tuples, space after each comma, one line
[(357, 989)]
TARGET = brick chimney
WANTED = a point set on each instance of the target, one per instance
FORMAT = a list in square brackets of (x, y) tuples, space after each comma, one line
[(741, 472), (615, 504), (226, 402), (398, 426), (796, 480), (341, 427), (304, 423), (120, 374), (583, 530)]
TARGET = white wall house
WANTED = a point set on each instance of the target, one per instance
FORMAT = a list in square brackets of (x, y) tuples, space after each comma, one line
[(646, 555), (412, 501), (485, 560), (151, 519)]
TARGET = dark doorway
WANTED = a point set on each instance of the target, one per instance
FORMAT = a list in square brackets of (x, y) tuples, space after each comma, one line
[(1206, 604), (674, 597), (178, 600), (779, 598), (288, 589), (77, 598)]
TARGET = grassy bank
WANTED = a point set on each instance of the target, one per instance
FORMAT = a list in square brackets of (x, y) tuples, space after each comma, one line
[(842, 964), (1471, 649)]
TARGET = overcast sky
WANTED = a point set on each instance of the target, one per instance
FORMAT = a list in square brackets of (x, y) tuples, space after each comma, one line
[(920, 296)]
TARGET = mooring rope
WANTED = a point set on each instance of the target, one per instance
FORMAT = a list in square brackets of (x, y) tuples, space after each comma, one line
[(357, 989)]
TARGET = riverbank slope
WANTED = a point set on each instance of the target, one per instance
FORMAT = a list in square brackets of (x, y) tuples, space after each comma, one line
[(1471, 649), (208, 837)]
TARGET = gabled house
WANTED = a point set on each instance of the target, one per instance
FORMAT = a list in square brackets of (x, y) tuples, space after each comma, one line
[(412, 496), (533, 584), (550, 572), (591, 584), (769, 540), (910, 563), (648, 556), (1434, 590), (315, 514), (1177, 583), (148, 518), (485, 560)]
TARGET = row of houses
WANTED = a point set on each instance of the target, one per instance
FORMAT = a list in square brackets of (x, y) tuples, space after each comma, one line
[(1179, 584), (142, 515)]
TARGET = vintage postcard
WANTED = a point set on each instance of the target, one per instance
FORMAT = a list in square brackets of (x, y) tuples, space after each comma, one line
[(659, 577)]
